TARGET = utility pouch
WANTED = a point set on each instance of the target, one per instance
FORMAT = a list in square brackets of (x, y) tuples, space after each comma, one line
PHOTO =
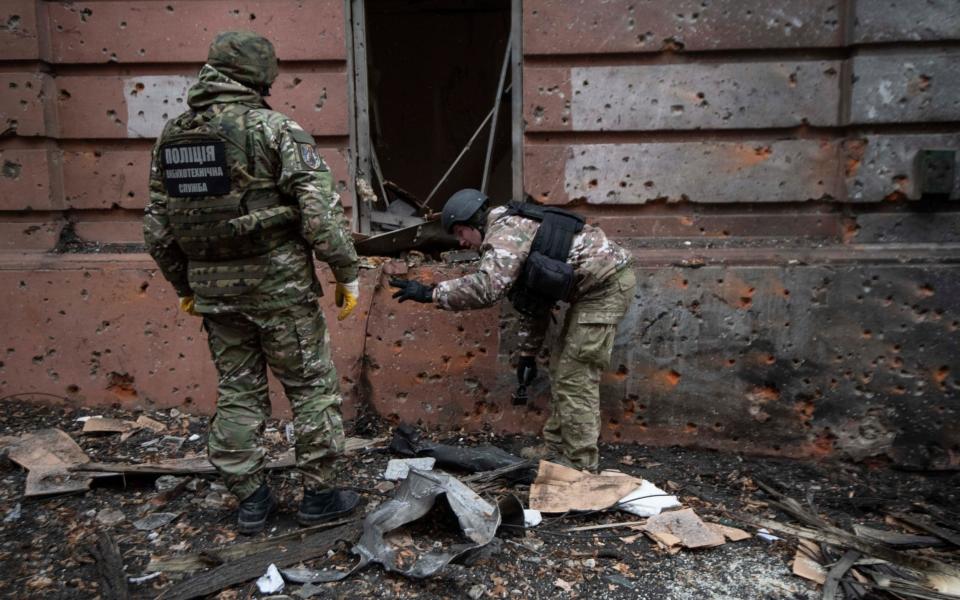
[(546, 277)]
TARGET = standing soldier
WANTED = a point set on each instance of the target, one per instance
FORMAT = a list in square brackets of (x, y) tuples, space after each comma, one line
[(538, 256), (239, 198)]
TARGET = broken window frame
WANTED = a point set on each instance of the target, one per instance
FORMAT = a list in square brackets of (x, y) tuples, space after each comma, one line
[(362, 161)]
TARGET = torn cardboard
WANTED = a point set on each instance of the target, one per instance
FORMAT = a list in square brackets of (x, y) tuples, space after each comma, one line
[(559, 489), (685, 525)]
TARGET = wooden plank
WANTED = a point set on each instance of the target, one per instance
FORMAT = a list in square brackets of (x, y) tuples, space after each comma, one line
[(217, 556), (113, 580), (516, 98), (361, 106), (255, 565)]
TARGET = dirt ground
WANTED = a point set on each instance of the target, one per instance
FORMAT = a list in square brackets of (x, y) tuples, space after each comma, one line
[(43, 549)]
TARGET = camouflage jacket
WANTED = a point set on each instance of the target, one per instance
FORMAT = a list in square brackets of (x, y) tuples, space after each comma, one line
[(289, 277), (506, 244)]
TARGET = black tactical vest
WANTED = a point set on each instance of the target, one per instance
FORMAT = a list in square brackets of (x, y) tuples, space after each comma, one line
[(224, 207), (545, 278)]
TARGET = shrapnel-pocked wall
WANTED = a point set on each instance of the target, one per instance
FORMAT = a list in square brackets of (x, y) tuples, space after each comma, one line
[(778, 169)]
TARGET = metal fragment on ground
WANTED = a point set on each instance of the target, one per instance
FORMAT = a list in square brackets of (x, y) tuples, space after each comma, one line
[(155, 521), (414, 498)]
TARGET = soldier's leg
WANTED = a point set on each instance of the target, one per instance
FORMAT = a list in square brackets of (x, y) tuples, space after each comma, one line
[(552, 428), (297, 345), (586, 344), (242, 402), (576, 391)]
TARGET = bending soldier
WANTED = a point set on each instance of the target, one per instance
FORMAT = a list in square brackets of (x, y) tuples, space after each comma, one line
[(538, 256), (239, 199)]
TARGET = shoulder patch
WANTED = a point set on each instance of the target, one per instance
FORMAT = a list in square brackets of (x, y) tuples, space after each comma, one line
[(309, 156)]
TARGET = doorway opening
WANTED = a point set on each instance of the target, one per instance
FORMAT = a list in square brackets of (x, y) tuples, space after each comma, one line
[(437, 77)]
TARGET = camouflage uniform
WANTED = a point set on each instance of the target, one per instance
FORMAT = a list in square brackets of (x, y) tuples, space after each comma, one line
[(604, 283), (261, 309)]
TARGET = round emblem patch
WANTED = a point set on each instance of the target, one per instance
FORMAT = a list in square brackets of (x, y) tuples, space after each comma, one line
[(309, 156)]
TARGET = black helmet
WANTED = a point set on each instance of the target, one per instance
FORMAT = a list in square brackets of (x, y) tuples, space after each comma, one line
[(461, 208)]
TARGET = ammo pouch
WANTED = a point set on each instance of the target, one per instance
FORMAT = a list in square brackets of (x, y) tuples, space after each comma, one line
[(546, 278)]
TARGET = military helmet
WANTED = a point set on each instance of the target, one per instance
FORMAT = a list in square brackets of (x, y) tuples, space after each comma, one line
[(246, 57), (462, 207)]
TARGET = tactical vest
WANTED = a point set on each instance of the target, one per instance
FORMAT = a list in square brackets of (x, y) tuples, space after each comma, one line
[(224, 207), (545, 278)]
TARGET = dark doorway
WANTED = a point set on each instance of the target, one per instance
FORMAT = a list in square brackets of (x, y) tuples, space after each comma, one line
[(433, 69)]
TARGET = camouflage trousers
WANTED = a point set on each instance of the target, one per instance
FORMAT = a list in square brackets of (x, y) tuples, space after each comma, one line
[(294, 342), (582, 351)]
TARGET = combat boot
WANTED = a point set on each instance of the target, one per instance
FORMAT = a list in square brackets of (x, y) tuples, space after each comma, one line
[(318, 506), (541, 452), (254, 510)]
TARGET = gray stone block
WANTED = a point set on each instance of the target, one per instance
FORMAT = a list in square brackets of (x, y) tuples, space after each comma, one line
[(906, 87), (698, 96), (906, 20), (884, 166), (759, 171), (589, 27)]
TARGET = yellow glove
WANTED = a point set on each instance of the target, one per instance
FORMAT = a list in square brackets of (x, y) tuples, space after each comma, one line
[(187, 306), (346, 297)]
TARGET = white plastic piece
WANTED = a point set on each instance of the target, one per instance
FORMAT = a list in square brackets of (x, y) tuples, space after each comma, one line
[(647, 500), (531, 517), (765, 535), (271, 582), (399, 468)]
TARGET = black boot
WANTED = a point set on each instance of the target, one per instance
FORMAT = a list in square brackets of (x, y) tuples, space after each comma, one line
[(255, 509), (319, 506)]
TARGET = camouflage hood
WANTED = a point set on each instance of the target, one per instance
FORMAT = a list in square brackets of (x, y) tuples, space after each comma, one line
[(246, 57), (214, 87)]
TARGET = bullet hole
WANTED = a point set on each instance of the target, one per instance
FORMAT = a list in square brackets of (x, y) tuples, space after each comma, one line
[(923, 83), (867, 334), (676, 109), (672, 378), (85, 14), (123, 24), (592, 183), (11, 169), (690, 428), (731, 362), (64, 95), (253, 17), (169, 8), (926, 290), (942, 374)]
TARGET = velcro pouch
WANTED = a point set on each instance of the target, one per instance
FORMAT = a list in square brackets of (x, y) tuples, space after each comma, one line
[(548, 277)]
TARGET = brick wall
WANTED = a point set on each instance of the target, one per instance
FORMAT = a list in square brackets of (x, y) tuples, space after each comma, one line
[(797, 295)]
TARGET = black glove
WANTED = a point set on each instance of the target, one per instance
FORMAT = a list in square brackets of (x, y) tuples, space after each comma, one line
[(526, 370), (412, 290)]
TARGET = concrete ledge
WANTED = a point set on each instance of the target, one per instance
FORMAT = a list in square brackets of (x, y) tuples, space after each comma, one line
[(857, 359)]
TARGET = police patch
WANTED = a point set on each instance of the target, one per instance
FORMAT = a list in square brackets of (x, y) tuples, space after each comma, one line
[(309, 156)]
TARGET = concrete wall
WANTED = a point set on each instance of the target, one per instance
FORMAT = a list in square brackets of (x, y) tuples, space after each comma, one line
[(797, 295)]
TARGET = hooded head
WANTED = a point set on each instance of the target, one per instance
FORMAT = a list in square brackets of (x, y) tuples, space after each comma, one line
[(245, 57)]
